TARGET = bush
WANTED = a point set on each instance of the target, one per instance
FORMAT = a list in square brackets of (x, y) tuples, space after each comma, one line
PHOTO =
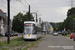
[(73, 30)]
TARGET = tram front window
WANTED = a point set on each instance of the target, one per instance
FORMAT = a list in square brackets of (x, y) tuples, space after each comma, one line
[(28, 30)]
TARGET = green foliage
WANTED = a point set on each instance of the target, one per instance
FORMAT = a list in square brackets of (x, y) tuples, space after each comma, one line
[(69, 22), (18, 21), (5, 49), (57, 26), (68, 35), (60, 27), (73, 30), (14, 42), (71, 11), (33, 43)]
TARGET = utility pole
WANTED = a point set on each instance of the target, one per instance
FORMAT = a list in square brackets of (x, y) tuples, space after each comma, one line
[(55, 26), (36, 17), (8, 39), (29, 14), (70, 24), (73, 24), (72, 4)]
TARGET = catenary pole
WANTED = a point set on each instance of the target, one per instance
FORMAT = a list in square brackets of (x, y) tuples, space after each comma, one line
[(8, 28), (29, 13)]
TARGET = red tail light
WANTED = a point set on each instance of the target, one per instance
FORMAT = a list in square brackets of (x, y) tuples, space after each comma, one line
[(10, 33), (5, 33)]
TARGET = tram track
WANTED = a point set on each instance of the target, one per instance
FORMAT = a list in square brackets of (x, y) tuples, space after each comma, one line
[(28, 43), (24, 46), (21, 46)]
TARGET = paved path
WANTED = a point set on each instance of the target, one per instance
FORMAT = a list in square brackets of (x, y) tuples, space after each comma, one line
[(51, 42)]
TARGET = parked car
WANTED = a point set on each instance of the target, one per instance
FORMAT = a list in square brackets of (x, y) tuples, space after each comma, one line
[(15, 33), (64, 33), (55, 34), (59, 32), (67, 32), (72, 35), (11, 33)]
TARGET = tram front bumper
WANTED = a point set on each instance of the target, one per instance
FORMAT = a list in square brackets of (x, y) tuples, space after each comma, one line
[(31, 37)]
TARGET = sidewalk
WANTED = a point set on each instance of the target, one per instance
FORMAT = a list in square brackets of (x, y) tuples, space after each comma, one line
[(69, 38)]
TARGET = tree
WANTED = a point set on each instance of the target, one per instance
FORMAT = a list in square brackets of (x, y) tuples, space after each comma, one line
[(71, 11), (18, 21), (57, 26), (31, 17), (60, 27), (69, 21), (73, 23)]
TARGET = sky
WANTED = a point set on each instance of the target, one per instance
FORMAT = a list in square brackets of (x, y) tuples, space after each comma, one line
[(47, 10)]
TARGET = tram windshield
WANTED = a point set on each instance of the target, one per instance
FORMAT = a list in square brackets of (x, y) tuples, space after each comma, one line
[(28, 30)]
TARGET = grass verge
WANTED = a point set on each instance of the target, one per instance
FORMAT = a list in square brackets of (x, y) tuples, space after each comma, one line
[(68, 35), (14, 42), (1, 36)]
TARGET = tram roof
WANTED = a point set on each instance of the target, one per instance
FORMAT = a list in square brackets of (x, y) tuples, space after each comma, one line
[(31, 22), (36, 23)]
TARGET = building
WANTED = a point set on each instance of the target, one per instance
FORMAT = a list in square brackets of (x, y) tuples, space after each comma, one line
[(46, 26), (3, 23)]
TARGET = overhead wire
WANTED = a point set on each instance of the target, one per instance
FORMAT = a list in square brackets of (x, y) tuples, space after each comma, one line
[(29, 4), (5, 7), (23, 4), (10, 6), (26, 2)]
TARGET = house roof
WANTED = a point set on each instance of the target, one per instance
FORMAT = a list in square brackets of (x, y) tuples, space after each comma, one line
[(2, 13)]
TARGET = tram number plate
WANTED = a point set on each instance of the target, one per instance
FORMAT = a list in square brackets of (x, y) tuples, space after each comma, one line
[(29, 35)]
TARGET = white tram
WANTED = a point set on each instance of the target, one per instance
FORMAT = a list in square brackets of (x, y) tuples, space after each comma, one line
[(32, 30)]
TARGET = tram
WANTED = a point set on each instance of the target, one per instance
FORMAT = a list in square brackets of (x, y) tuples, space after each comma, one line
[(32, 30)]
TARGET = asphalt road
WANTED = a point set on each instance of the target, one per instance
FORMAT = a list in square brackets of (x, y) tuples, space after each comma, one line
[(51, 42)]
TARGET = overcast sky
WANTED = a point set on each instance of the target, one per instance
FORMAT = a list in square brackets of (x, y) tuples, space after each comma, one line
[(48, 10)]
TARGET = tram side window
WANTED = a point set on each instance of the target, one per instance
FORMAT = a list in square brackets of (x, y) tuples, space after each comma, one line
[(34, 31), (38, 29)]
